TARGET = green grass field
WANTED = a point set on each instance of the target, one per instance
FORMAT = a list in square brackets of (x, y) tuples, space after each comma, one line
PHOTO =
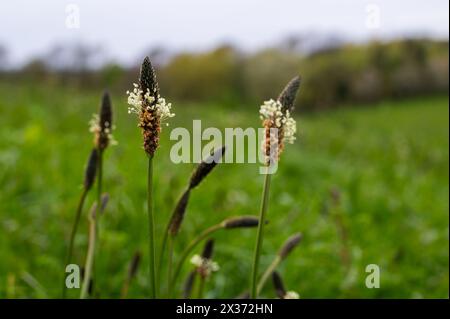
[(389, 163)]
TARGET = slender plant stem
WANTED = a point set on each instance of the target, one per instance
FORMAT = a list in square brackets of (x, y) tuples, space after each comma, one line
[(163, 248), (151, 229), (89, 258), (161, 254), (72, 235), (260, 233), (169, 265), (98, 209), (201, 287), (189, 248), (93, 230), (267, 273)]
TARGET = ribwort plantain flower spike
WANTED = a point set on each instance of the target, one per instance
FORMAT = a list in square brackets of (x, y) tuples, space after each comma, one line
[(91, 170), (289, 245), (240, 222), (95, 208), (280, 127), (178, 214), (90, 174), (206, 166), (287, 96), (101, 124), (279, 288), (278, 285), (134, 265), (282, 254), (151, 109), (145, 101), (204, 263), (208, 249), (132, 271), (202, 170)]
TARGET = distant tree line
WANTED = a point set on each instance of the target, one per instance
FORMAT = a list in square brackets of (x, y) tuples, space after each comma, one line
[(333, 75)]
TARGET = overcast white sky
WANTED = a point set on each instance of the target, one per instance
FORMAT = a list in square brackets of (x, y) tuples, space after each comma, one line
[(128, 28)]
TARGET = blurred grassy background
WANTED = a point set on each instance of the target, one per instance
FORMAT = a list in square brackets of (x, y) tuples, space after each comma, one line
[(389, 163)]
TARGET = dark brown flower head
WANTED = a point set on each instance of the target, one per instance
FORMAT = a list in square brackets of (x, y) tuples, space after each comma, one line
[(240, 222), (134, 265), (151, 109), (280, 290), (202, 170), (106, 112), (208, 249), (205, 167), (104, 202), (287, 96), (289, 245), (278, 285), (91, 170), (105, 122), (147, 79), (101, 124), (178, 214), (203, 263)]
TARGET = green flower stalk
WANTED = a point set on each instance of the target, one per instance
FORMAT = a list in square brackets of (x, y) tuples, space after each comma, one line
[(284, 251), (89, 179), (279, 127), (101, 126), (174, 225), (145, 101), (229, 223)]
